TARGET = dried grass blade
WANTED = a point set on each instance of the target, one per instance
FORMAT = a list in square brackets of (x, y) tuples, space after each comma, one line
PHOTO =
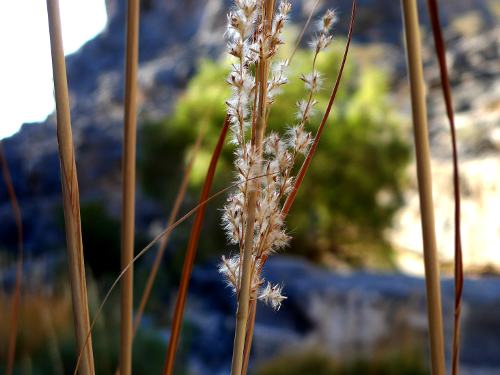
[(16, 298), (305, 166), (128, 175), (191, 254), (446, 86), (71, 197)]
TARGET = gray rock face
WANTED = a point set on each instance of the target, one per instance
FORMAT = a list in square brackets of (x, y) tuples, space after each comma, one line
[(344, 315)]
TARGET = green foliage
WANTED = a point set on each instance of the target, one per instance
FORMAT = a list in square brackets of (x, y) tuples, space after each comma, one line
[(354, 185), (320, 364)]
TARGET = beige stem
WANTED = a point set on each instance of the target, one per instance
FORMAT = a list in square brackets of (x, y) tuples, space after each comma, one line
[(71, 196), (128, 173), (419, 110)]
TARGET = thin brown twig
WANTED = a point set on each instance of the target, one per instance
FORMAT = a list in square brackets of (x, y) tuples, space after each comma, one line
[(16, 298), (71, 197), (128, 175), (422, 150), (459, 272)]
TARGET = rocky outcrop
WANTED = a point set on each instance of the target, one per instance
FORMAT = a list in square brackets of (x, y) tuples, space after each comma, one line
[(347, 316)]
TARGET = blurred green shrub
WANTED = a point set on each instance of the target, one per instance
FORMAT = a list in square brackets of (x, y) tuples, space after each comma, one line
[(320, 364), (354, 186)]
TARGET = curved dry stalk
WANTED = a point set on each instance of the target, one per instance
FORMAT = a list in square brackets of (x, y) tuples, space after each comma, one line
[(191, 254), (459, 273), (16, 298), (419, 112), (164, 241), (307, 162), (128, 194), (71, 198)]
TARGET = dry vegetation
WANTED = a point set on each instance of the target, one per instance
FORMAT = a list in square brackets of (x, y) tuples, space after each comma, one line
[(269, 169)]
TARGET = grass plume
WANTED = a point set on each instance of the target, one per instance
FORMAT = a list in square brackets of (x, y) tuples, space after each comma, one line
[(302, 172)]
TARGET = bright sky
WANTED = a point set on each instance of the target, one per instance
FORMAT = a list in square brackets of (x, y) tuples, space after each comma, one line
[(26, 91)]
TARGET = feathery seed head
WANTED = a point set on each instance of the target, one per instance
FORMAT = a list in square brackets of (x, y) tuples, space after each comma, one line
[(327, 21), (271, 295), (312, 81)]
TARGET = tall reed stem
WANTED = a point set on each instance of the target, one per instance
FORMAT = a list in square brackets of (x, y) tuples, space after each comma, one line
[(16, 297), (128, 173), (419, 110), (71, 196), (251, 204)]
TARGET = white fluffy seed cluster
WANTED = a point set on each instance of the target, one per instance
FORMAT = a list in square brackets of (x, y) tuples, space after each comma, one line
[(269, 172)]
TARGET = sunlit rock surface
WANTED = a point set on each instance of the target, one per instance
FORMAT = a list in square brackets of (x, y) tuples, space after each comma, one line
[(475, 74)]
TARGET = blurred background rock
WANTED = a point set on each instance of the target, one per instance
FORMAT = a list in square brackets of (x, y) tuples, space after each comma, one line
[(356, 219)]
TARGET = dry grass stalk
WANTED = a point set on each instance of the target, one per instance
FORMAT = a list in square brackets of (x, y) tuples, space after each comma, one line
[(459, 273), (258, 128), (128, 173), (71, 198), (191, 254), (302, 172), (414, 61), (16, 297), (253, 217), (171, 219)]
